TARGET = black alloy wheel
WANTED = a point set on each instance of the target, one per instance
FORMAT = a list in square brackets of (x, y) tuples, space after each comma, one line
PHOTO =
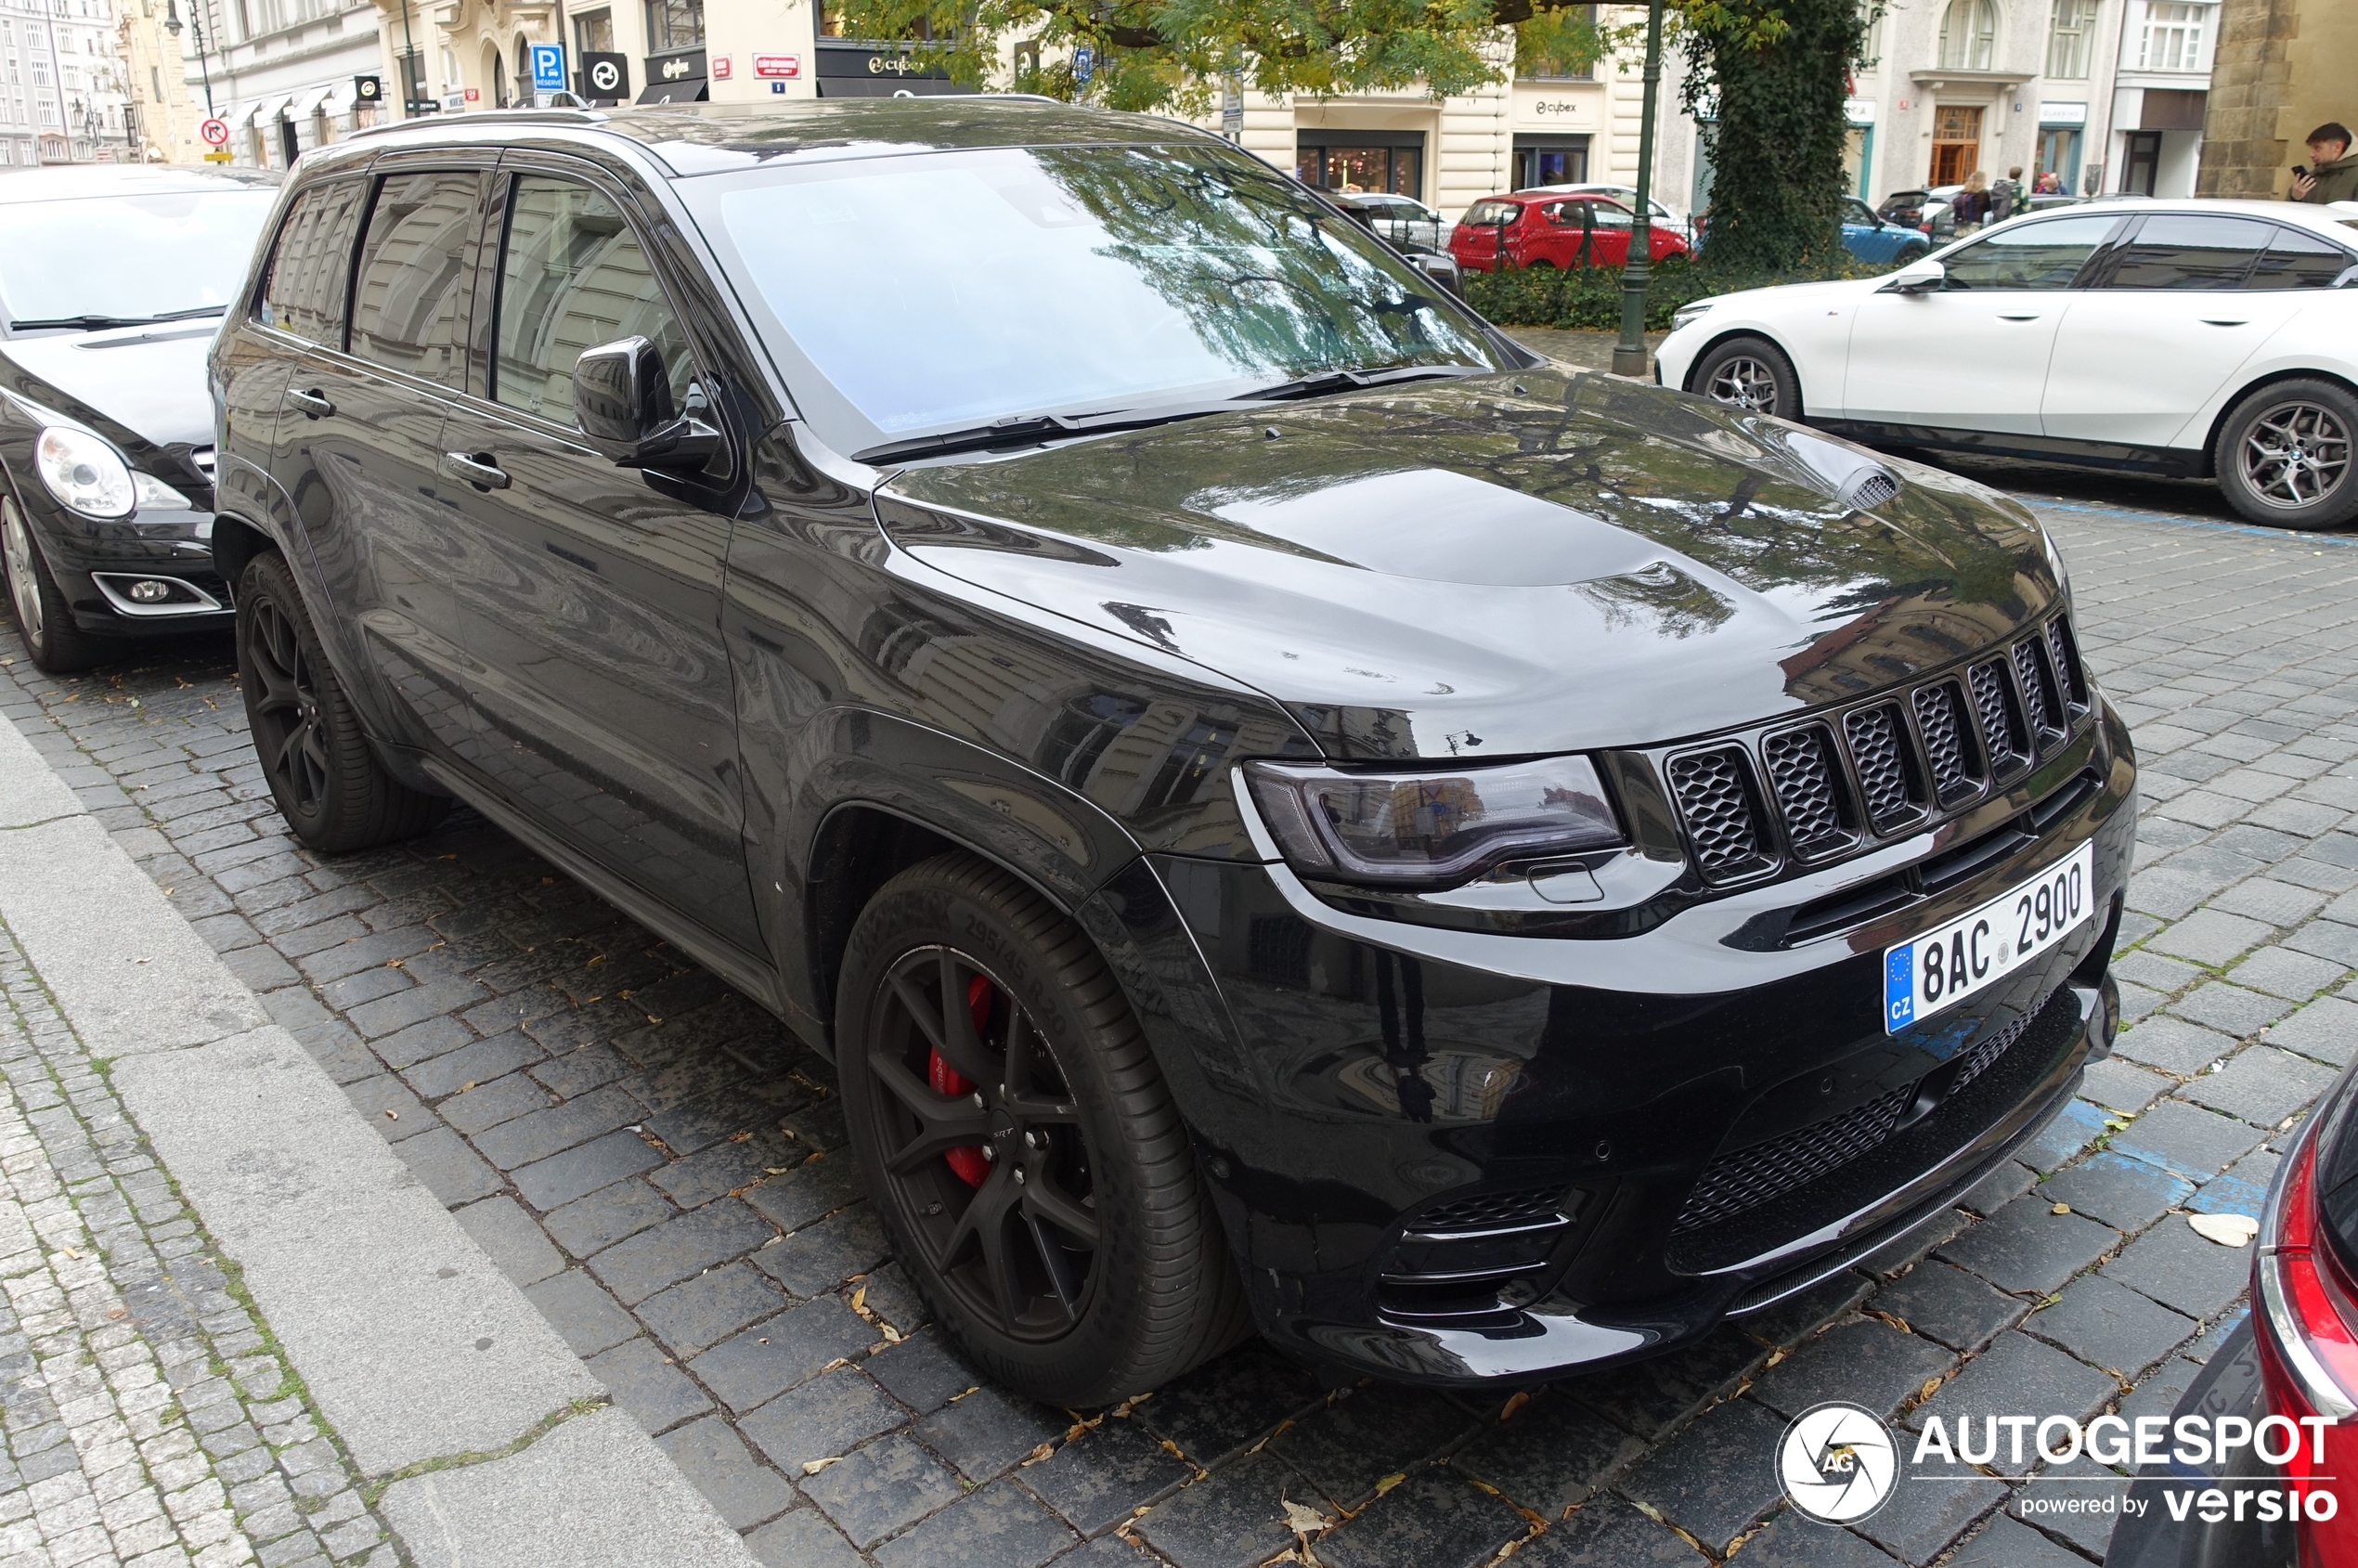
[(327, 782), (44, 619), (1020, 1144), (1749, 373), (2283, 455)]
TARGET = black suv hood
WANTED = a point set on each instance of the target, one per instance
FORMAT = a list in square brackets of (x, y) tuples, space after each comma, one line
[(140, 387), (1501, 565)]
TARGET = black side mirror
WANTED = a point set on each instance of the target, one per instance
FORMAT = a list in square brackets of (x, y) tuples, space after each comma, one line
[(622, 400)]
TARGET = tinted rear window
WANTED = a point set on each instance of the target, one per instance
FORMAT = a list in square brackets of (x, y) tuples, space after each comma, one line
[(312, 263), (2190, 251), (2294, 260), (414, 265)]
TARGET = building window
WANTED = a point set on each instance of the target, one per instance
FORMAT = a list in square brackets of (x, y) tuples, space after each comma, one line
[(593, 35), (1550, 161), (1871, 12), (1969, 35), (1352, 160), (674, 25), (2173, 37), (155, 79), (2067, 37)]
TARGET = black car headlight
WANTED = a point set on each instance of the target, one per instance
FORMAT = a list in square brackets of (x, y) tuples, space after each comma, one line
[(1433, 825)]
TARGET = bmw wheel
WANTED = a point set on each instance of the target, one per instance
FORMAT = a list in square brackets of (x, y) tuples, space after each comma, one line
[(1020, 1144), (44, 619), (2283, 455), (1750, 373)]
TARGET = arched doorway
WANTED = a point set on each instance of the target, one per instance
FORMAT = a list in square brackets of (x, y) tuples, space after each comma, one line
[(495, 73)]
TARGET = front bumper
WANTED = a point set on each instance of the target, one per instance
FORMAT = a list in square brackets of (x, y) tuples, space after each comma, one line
[(1470, 1156), (97, 563)]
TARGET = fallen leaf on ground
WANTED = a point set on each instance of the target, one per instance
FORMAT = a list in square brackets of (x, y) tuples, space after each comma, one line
[(1389, 1482), (1303, 1520), (815, 1465), (1517, 1402), (393, 1116), (2060, 1208), (1932, 1386), (2228, 1230)]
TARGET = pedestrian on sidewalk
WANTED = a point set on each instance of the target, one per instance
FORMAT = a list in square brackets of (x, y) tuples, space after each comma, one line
[(1971, 203), (2007, 196), (2332, 173)]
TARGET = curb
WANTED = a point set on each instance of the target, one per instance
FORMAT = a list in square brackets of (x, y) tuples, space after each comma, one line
[(451, 1392)]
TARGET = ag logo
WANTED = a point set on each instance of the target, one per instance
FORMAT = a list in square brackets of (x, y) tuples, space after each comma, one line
[(1837, 1462), (605, 76)]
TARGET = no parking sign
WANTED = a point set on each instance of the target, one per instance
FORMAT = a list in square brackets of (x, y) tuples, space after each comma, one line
[(216, 133)]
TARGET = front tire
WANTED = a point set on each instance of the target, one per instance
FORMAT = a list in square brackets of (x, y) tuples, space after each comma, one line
[(1750, 373), (43, 618), (2283, 455), (329, 785), (1019, 1143)]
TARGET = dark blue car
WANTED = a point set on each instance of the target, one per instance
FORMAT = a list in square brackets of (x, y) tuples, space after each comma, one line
[(1878, 240)]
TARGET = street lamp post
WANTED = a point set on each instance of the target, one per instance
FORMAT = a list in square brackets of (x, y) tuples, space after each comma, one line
[(172, 25), (1629, 355)]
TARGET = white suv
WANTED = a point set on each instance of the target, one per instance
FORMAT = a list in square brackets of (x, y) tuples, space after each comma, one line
[(2186, 337)]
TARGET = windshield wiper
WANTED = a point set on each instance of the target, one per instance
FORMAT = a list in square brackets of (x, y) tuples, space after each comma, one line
[(1023, 430), (99, 323), (1351, 381)]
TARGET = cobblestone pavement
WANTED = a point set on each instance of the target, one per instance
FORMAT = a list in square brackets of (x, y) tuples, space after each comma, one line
[(659, 1166), (148, 1419)]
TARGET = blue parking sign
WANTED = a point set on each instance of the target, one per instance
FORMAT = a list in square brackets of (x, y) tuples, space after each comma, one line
[(547, 67)]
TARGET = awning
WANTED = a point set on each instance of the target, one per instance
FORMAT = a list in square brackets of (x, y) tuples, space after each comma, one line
[(341, 97), (273, 108), (696, 89), (308, 102), (242, 116)]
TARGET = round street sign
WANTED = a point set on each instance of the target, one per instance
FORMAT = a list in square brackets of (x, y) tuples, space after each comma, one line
[(215, 132), (604, 76)]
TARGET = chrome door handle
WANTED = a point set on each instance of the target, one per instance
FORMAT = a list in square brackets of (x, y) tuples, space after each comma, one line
[(2032, 317), (2226, 321), (313, 406), (476, 468)]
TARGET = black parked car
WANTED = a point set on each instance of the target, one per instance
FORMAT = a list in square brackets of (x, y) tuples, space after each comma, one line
[(1284, 810), (111, 282)]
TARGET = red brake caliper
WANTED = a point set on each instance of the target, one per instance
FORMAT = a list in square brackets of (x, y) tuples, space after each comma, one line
[(967, 1162)]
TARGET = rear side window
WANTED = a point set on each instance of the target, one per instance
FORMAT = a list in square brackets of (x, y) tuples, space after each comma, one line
[(408, 306), (2190, 251), (311, 264), (573, 277), (1493, 212), (2294, 260)]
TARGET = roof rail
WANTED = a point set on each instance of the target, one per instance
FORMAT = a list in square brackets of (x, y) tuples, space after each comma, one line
[(504, 116)]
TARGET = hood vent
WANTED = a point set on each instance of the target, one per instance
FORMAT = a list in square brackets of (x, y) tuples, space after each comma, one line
[(1871, 489)]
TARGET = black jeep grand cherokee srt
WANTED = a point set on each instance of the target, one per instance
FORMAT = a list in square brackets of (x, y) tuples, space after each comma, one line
[(1285, 810)]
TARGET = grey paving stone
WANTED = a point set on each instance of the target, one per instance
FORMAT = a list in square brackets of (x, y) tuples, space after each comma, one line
[(1233, 1518), (1434, 1519), (561, 1178), (1610, 1534), (2007, 1542), (515, 1242), (487, 1105), (2326, 1029), (2152, 970), (2158, 1392), (1867, 1362), (2231, 1009), (804, 1538), (818, 1258), (810, 1191), (2082, 1481), (454, 1072), (1650, 1397), (391, 1108), (922, 1372), (1709, 1479), (579, 1310), (2001, 1186), (1213, 1411), (637, 1269), (2125, 1193), (986, 1432), (1109, 1551), (2193, 1143), (883, 1488), (2261, 1086), (757, 1364), (590, 1224), (822, 1417), (1926, 1514), (647, 1383), (698, 1313), (528, 1139), (448, 1168), (1799, 1317), (2014, 1375), (716, 1463), (1944, 1302), (2123, 1085), (1100, 1478), (710, 1173), (2110, 1326), (2243, 1189), (2329, 939), (2180, 1270), (2173, 1045), (2025, 1248), (1000, 1524), (2283, 972)]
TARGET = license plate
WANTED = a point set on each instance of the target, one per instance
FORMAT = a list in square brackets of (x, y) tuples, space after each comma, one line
[(1975, 950)]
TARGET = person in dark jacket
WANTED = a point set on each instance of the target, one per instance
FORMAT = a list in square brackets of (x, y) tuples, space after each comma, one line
[(2332, 174), (1972, 204)]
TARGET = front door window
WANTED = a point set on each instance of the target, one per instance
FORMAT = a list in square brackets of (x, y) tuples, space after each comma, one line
[(573, 277)]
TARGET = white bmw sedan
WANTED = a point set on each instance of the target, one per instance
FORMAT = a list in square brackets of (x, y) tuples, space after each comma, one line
[(2185, 338)]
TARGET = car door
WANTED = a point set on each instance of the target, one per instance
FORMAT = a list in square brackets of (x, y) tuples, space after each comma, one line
[(591, 608), (2167, 324), (356, 451), (1971, 355)]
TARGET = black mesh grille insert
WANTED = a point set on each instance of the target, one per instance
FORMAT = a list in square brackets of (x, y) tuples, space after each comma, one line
[(1878, 744), (1714, 795), (2030, 668), (1749, 1177), (2062, 647), (1940, 713), (1495, 1210), (1801, 772), (1872, 491), (2005, 738)]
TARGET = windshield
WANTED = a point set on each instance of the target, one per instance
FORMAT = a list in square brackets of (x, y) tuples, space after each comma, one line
[(940, 290), (129, 257)]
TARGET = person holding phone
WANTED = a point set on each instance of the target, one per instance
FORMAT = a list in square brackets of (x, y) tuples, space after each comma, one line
[(2332, 173)]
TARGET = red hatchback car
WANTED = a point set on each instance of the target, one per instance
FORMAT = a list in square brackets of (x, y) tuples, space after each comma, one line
[(1538, 228)]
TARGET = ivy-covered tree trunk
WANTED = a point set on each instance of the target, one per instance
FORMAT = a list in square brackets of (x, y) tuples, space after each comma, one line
[(1778, 148)]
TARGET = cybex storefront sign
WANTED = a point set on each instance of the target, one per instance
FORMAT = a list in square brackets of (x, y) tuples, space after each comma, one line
[(871, 71)]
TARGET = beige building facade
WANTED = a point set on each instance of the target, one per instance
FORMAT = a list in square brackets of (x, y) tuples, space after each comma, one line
[(2285, 68), (165, 114)]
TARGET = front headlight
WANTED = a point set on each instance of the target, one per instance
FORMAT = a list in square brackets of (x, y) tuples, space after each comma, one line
[(1688, 315), (1433, 825), (86, 475)]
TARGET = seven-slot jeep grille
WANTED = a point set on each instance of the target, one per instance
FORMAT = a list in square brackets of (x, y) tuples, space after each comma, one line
[(1815, 790)]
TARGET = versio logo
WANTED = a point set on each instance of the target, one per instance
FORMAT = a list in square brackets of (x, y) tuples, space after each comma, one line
[(1836, 1462)]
